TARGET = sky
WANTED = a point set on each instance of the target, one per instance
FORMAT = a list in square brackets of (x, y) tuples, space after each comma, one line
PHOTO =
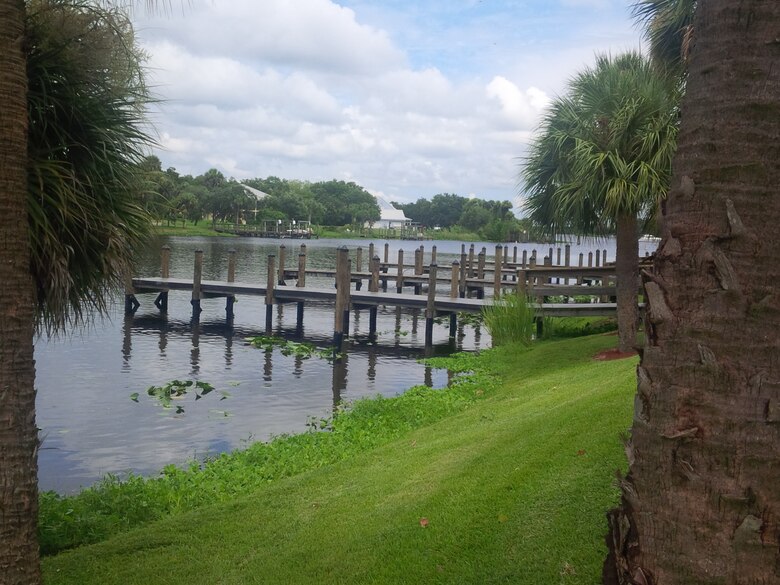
[(408, 98)]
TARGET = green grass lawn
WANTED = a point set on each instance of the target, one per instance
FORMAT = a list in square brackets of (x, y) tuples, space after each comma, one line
[(511, 489)]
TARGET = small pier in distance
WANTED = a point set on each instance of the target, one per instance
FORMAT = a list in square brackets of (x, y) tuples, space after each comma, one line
[(437, 290)]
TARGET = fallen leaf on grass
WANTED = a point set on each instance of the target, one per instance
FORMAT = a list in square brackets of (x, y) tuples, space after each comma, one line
[(581, 452), (424, 522), (502, 518)]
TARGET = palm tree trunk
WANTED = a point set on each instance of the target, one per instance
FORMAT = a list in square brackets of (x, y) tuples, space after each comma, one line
[(18, 433), (701, 503), (627, 275)]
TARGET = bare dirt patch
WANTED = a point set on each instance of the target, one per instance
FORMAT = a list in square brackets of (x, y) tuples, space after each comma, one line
[(613, 354)]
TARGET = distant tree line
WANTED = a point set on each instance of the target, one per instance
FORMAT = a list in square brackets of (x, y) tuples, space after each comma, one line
[(491, 220), (173, 197)]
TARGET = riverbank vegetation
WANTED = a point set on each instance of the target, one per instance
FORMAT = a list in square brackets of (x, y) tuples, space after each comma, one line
[(504, 476), (335, 208)]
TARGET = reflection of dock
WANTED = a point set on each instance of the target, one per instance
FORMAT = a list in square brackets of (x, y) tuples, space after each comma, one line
[(466, 282)]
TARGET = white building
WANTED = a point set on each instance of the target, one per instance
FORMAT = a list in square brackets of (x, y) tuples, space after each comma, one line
[(390, 217)]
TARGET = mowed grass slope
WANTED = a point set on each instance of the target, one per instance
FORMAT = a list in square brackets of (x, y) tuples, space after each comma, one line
[(512, 490)]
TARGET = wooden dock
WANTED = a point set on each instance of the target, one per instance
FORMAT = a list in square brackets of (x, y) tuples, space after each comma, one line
[(448, 290)]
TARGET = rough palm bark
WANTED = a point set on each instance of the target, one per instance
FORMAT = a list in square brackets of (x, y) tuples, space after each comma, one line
[(627, 279), (701, 502), (18, 433)]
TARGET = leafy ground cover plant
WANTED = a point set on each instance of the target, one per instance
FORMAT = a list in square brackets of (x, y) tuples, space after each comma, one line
[(116, 504)]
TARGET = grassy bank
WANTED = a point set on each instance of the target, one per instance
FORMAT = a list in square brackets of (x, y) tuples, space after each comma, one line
[(510, 484)]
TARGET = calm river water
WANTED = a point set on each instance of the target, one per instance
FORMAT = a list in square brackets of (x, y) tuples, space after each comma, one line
[(91, 427)]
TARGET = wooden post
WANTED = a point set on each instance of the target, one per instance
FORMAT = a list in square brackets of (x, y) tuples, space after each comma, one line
[(340, 320), (387, 255), (231, 277), (521, 286), (374, 284), (399, 280), (433, 254), (590, 259), (418, 261), (598, 258), (604, 257), (462, 275), (269, 294), (550, 254), (359, 259), (471, 270), (430, 307), (514, 255), (525, 258), (455, 279), (282, 257), (370, 251), (165, 261), (481, 264), (505, 257), (497, 272), (131, 303), (567, 255), (161, 302), (301, 282), (196, 280)]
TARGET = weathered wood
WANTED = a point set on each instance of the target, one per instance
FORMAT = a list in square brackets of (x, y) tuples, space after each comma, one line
[(282, 259), (471, 270), (197, 276), (462, 274), (399, 280), (165, 261), (341, 313), (525, 258), (301, 280), (430, 307), (497, 273), (598, 257), (455, 279), (514, 255), (269, 293), (359, 259), (374, 283), (231, 277), (521, 285), (481, 264), (433, 254)]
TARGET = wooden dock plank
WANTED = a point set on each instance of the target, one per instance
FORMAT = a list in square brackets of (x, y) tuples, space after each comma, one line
[(442, 304)]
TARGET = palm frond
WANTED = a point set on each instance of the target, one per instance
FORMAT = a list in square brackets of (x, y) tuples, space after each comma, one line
[(86, 105)]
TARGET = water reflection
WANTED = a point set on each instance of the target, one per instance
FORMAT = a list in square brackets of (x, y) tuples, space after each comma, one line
[(91, 426)]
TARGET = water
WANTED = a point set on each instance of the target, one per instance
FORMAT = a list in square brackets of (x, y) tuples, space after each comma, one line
[(91, 427)]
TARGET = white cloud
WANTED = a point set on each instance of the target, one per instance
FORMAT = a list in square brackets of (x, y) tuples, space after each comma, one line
[(305, 90)]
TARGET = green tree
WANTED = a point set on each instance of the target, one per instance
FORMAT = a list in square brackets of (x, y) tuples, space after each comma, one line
[(602, 160), (344, 203), (701, 502), (669, 31), (69, 184), (86, 100)]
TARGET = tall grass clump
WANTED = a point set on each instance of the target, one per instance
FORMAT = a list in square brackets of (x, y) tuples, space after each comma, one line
[(510, 319)]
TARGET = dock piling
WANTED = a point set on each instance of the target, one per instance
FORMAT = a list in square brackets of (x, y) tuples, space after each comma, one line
[(196, 281)]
